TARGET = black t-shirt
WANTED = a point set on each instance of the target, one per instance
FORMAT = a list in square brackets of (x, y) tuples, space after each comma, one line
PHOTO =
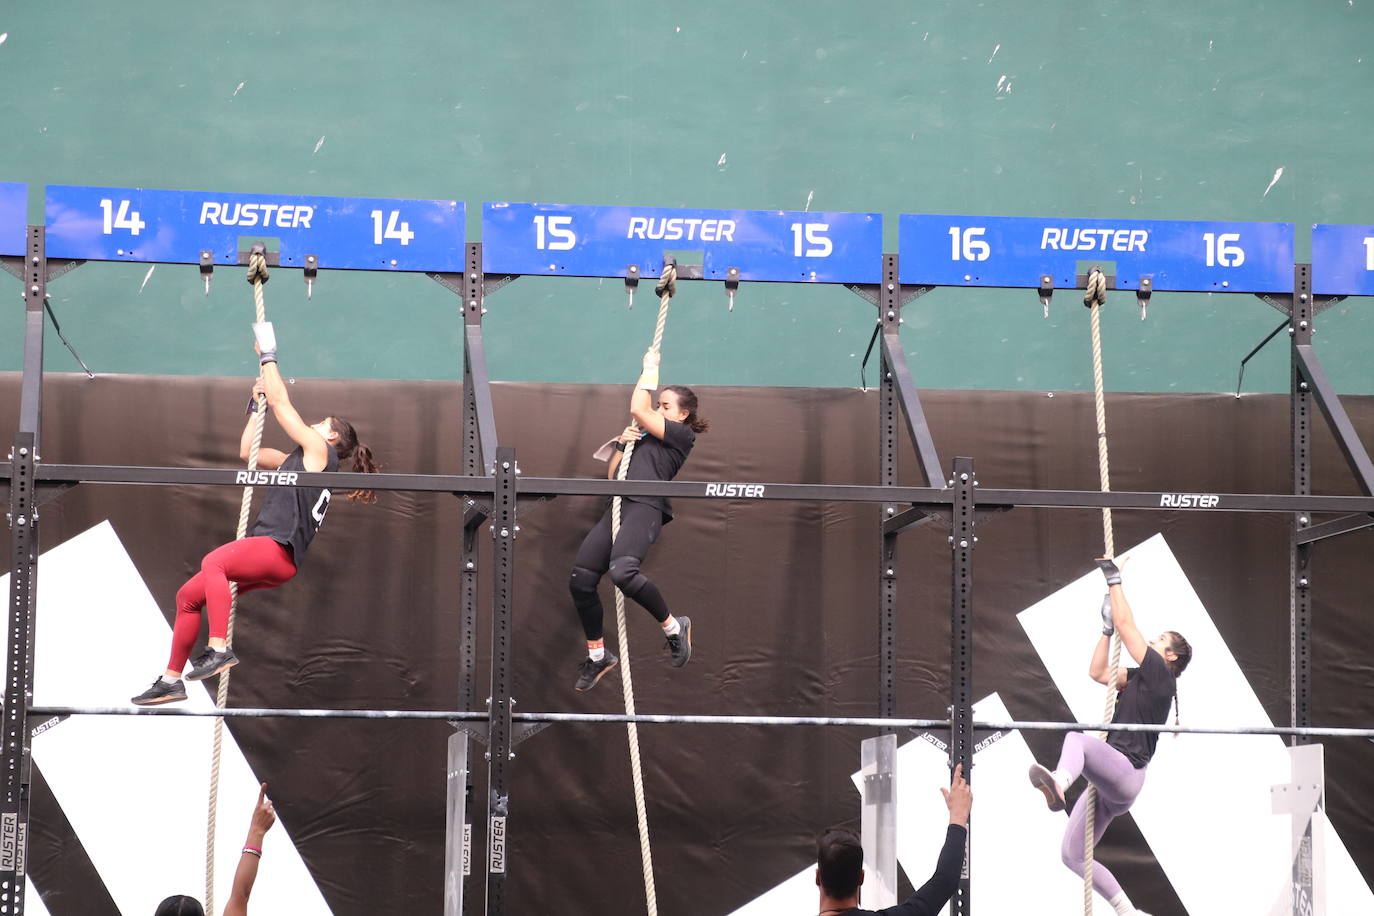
[(660, 459), (935, 893), (1143, 701), (291, 515)]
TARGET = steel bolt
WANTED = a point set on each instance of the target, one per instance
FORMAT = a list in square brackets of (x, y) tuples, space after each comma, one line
[(1302, 297), (963, 477), (1301, 582), (505, 532), (1303, 325), (1302, 520), (891, 510), (505, 465), (890, 287), (22, 521), (891, 314), (963, 542), (889, 572), (23, 451)]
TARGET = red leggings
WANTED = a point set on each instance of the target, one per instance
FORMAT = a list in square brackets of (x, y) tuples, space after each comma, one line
[(253, 563)]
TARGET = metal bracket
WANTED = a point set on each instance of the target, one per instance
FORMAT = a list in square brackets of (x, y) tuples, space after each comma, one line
[(731, 285), (207, 268), (631, 282), (312, 267), (1046, 292), (1142, 295)]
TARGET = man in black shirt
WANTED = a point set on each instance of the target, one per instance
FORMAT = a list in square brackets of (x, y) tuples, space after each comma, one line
[(840, 864)]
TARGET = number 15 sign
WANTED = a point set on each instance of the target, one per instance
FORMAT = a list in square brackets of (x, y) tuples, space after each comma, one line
[(767, 245)]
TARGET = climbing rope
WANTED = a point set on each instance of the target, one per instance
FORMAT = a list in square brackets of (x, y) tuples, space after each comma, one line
[(257, 275), (1096, 297), (667, 286)]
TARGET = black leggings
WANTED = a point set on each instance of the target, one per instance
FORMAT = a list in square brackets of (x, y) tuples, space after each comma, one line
[(639, 527)]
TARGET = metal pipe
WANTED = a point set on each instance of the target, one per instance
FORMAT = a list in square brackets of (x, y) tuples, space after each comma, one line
[(678, 719)]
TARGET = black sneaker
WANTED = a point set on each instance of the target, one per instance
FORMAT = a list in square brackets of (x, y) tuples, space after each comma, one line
[(211, 662), (1043, 780), (589, 672), (161, 692), (680, 646)]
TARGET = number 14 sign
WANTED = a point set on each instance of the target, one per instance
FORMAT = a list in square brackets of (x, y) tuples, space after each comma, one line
[(351, 233)]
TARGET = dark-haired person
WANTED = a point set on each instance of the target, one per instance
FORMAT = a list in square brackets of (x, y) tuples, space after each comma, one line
[(840, 864), (272, 551), (1116, 767), (668, 428), (264, 816)]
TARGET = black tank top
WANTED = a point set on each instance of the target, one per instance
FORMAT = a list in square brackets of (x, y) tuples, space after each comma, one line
[(291, 515)]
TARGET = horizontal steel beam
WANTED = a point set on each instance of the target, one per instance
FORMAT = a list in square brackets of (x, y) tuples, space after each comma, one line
[(916, 497), (678, 719)]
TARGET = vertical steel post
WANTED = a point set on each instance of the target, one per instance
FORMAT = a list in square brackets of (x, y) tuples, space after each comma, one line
[(23, 521), (503, 531), (1300, 554), (458, 826), (961, 541), (889, 318)]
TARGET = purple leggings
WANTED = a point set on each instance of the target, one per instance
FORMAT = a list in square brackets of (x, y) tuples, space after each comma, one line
[(1118, 783)]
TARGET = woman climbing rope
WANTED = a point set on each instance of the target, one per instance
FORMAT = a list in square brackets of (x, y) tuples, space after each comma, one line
[(276, 544), (662, 437), (1116, 767)]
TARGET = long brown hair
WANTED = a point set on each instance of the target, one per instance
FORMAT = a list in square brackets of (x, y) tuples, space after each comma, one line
[(687, 400), (346, 446)]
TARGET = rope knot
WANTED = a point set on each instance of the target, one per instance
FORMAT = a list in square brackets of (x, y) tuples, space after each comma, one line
[(1097, 288), (667, 283), (257, 266)]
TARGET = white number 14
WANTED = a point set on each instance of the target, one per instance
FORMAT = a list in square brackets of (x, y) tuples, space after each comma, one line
[(123, 218), (393, 230)]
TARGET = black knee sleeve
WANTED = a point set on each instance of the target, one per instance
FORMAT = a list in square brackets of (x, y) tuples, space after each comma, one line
[(626, 575), (582, 584)]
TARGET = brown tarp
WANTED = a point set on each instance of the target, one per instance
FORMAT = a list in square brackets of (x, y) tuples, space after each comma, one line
[(783, 596)]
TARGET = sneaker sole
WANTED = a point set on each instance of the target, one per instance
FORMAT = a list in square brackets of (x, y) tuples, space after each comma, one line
[(1043, 780), (687, 637), (158, 702), (604, 671), (220, 670)]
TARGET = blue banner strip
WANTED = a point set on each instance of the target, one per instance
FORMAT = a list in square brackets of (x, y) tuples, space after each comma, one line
[(1020, 252), (174, 227), (762, 245)]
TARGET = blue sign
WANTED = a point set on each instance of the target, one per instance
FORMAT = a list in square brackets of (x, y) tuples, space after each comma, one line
[(1343, 260), (174, 227), (767, 245), (14, 216), (1018, 252)]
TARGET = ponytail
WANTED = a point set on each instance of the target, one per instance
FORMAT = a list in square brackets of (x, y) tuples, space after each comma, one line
[(347, 445), (363, 463), (687, 400)]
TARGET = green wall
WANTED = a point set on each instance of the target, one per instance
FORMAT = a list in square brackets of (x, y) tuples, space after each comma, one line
[(1113, 108)]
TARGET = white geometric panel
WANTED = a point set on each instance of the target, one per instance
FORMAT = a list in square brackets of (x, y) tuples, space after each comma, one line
[(1205, 808), (130, 785)]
